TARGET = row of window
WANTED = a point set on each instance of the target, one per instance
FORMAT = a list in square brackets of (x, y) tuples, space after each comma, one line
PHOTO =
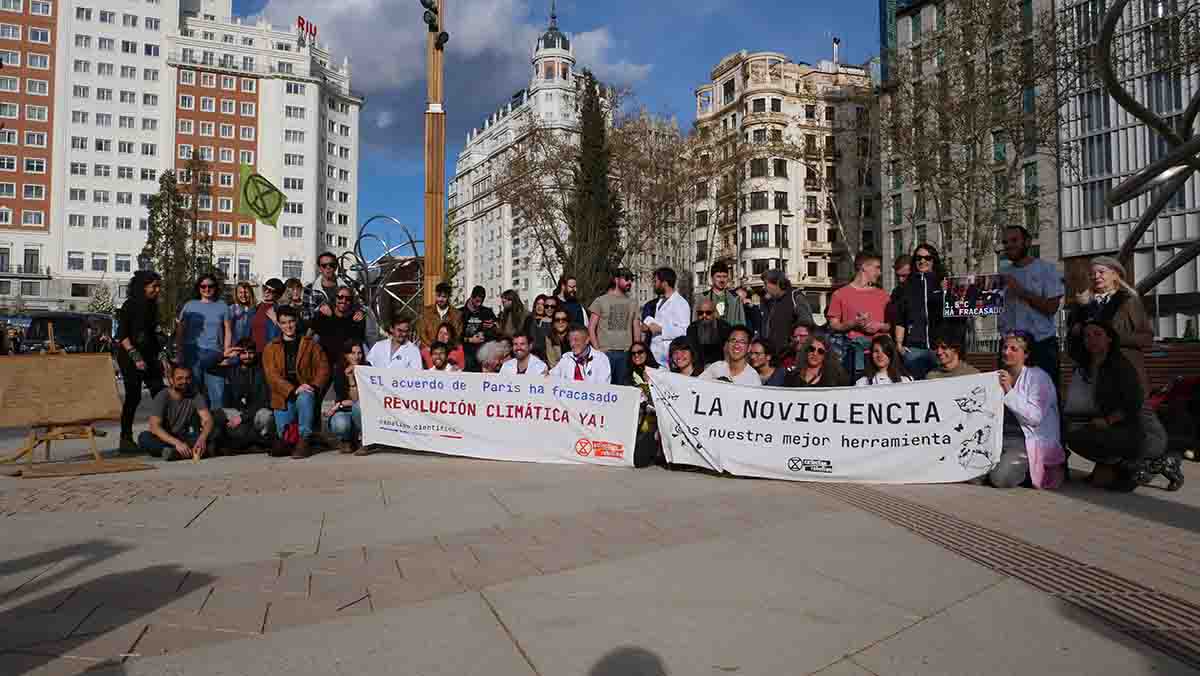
[(29, 191), (33, 87), (121, 263), (36, 7), (127, 20), (209, 105), (225, 37), (104, 94), (334, 172), (104, 197), (102, 222), (29, 217), (110, 45), (35, 34), (34, 60), (105, 145), (105, 171), (106, 119), (12, 111), (228, 82), (336, 128), (208, 58), (246, 133), (205, 153), (33, 139), (31, 165), (206, 178), (107, 69)]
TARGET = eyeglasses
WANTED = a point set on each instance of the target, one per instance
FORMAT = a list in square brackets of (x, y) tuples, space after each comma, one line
[(326, 265), (816, 349), (923, 258), (637, 352), (345, 298), (705, 313), (207, 286)]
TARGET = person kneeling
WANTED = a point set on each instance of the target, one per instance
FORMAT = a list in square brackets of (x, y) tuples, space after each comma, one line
[(296, 370), (346, 418), (1031, 445), (250, 421), (181, 425)]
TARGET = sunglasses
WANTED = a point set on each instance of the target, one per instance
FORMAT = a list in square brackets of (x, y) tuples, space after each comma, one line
[(923, 258), (327, 265), (207, 286), (637, 352), (345, 298), (705, 313), (816, 349)]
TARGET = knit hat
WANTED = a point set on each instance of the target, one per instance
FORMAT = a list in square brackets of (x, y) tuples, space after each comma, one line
[(1110, 263)]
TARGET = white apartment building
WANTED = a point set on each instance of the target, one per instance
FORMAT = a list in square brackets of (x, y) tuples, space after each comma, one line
[(490, 254), (142, 86), (784, 210), (1112, 145)]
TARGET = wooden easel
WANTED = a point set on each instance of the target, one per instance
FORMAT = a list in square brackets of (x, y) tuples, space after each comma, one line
[(66, 432)]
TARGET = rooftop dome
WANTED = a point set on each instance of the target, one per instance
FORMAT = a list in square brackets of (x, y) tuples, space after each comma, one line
[(554, 38)]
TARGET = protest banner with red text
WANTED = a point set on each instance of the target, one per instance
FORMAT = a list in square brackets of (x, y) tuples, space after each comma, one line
[(497, 417), (936, 431)]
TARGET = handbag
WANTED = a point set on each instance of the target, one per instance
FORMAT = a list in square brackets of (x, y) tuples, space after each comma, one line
[(291, 434)]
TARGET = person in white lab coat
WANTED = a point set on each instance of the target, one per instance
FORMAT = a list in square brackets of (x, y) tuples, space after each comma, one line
[(583, 363), (523, 362), (671, 317), (398, 352)]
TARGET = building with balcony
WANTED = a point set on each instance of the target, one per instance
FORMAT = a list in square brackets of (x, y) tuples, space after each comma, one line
[(790, 178), (136, 89)]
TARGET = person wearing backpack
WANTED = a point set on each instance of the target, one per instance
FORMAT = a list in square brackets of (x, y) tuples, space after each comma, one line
[(784, 307)]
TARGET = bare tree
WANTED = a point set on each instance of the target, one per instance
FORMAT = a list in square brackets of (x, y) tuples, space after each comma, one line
[(971, 106)]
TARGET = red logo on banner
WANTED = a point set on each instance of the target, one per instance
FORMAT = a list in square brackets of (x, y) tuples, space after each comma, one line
[(606, 449), (583, 447)]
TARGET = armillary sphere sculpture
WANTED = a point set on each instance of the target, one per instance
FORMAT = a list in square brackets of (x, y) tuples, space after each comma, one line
[(385, 279), (1168, 174)]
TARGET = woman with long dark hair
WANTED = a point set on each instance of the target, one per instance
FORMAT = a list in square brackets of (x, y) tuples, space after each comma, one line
[(820, 367), (137, 347), (512, 314), (684, 358), (204, 338), (919, 311), (647, 447), (885, 366)]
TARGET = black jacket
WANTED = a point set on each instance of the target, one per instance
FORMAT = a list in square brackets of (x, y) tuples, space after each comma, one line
[(709, 353), (780, 316), (919, 309), (1118, 388), (247, 390), (333, 332)]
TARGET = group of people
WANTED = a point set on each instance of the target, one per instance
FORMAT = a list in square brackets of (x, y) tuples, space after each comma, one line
[(310, 338), (246, 374)]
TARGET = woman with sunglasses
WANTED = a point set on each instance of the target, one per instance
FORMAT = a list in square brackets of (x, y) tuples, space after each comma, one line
[(919, 311), (885, 365), (820, 367), (555, 342), (646, 448), (1031, 446), (684, 359), (204, 338), (242, 310)]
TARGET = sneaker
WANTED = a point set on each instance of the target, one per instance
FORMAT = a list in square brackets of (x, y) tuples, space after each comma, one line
[(363, 450), (301, 452)]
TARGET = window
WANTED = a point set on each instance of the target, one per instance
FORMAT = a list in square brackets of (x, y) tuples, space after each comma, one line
[(152, 24), (78, 195), (9, 84), (125, 198), (128, 73), (149, 149), (75, 261), (293, 208), (208, 80), (228, 106), (187, 102), (33, 218), (150, 49), (246, 133), (780, 168), (148, 124), (187, 77), (810, 112), (83, 41), (128, 97), (100, 197), (781, 200), (10, 58), (760, 236), (81, 66), (830, 114), (105, 44), (35, 139), (148, 175), (292, 268), (295, 88), (99, 262), (105, 69), (39, 35), (124, 223), (39, 61), (227, 130), (758, 200), (103, 145), (8, 190), (291, 135), (8, 137), (208, 104), (121, 263), (247, 109), (292, 160), (758, 167), (39, 8), (293, 183), (226, 180), (247, 157), (293, 232), (228, 82), (293, 112), (150, 74), (149, 99), (125, 173), (35, 165), (77, 220), (245, 230), (205, 153), (108, 17), (37, 87), (129, 47), (33, 191), (226, 155), (225, 204), (37, 113), (103, 94)]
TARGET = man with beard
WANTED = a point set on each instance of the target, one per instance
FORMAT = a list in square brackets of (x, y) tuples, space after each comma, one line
[(583, 363), (1033, 292), (708, 333), (727, 303), (249, 419), (439, 358), (433, 317), (522, 362), (479, 326), (181, 425), (671, 315), (568, 299), (614, 320)]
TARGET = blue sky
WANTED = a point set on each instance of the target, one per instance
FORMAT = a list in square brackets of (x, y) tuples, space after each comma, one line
[(662, 48)]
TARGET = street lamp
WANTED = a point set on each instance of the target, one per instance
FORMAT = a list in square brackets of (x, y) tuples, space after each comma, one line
[(431, 20)]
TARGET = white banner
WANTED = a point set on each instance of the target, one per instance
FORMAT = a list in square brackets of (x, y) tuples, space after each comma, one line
[(498, 417), (935, 431)]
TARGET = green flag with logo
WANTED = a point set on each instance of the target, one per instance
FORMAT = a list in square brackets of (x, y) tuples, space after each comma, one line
[(258, 198)]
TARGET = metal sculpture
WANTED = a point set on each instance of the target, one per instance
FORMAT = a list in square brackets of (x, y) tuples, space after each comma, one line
[(385, 282), (1168, 174)]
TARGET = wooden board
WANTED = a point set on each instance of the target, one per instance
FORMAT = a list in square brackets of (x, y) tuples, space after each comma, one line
[(62, 389), (45, 470)]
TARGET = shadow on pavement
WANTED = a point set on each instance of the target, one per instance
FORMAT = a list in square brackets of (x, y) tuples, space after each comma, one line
[(96, 624), (57, 564), (1141, 503), (629, 661)]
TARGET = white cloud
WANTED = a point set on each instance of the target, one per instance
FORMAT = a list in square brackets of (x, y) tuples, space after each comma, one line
[(487, 59)]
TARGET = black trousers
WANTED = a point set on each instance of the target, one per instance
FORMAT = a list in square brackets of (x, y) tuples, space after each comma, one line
[(134, 379)]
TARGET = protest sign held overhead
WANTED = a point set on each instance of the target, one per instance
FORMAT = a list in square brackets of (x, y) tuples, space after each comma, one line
[(973, 296), (498, 417), (939, 431), (258, 198)]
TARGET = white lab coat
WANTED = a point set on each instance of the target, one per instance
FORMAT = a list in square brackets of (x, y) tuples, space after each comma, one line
[(408, 356), (597, 370), (673, 314)]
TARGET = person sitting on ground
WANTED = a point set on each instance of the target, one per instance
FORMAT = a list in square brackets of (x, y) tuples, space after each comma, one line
[(583, 363), (820, 368), (885, 366), (949, 348), (181, 424), (490, 357), (447, 336), (1031, 447), (345, 419), (734, 368), (762, 358), (249, 420), (398, 352), (1116, 438), (709, 333), (296, 370), (523, 362), (439, 358), (683, 358), (647, 447)]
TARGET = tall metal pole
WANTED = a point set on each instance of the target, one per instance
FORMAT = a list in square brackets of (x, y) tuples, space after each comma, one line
[(435, 163)]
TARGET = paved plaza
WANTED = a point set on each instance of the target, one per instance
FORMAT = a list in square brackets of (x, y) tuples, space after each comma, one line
[(403, 563)]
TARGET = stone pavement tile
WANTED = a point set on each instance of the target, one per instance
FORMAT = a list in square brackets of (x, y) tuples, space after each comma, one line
[(340, 589), (251, 576), (109, 645), (554, 558), (719, 606), (232, 610), (844, 668), (380, 565), (479, 536), (410, 592), (339, 562), (1011, 628), (456, 635), (23, 628), (161, 639), (494, 571), (41, 665), (298, 612)]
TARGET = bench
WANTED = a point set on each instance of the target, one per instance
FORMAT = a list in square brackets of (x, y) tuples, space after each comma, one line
[(1164, 363)]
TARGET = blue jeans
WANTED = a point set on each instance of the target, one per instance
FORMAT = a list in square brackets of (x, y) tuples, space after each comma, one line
[(301, 406), (617, 360), (346, 425), (212, 384), (854, 358), (919, 362)]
